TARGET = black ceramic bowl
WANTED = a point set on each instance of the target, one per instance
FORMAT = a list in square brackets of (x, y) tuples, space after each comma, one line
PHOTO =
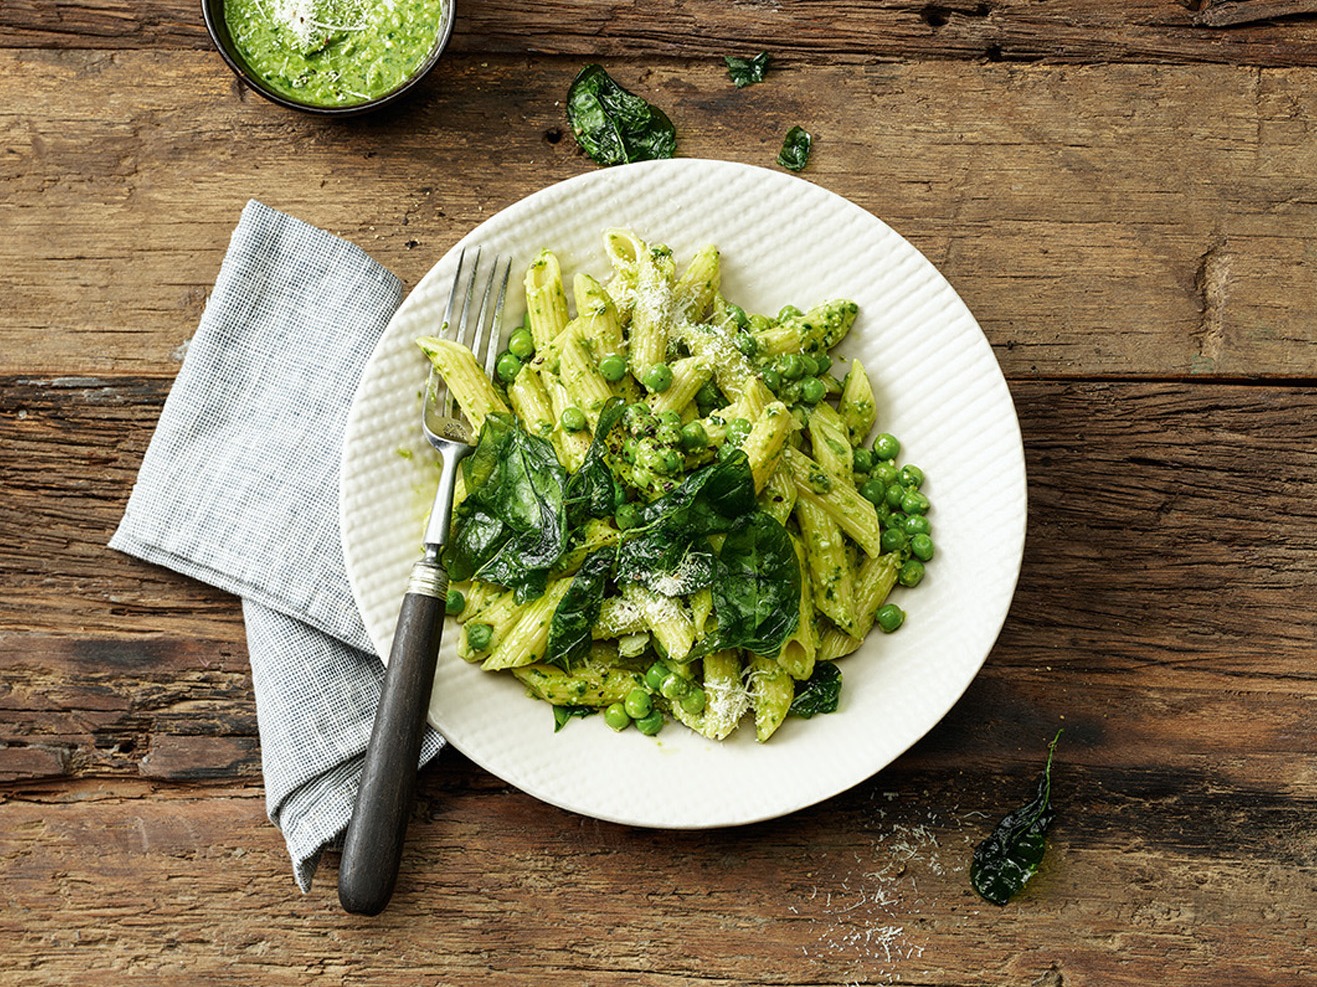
[(213, 11)]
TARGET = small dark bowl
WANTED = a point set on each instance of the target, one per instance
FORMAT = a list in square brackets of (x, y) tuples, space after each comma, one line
[(213, 11)]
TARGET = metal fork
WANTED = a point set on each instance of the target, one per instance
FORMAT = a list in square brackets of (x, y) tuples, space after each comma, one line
[(373, 845)]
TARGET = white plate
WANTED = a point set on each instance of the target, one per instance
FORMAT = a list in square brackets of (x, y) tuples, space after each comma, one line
[(783, 240)]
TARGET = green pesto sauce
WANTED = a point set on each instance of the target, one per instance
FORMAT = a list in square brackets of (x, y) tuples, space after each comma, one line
[(333, 52)]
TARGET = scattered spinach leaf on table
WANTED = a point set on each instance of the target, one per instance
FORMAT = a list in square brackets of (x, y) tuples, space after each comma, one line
[(746, 71), (820, 693), (613, 125), (795, 149), (1005, 861)]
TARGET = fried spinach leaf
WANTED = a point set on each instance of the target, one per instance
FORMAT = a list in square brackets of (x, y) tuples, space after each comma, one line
[(795, 149), (747, 71), (569, 631), (592, 490), (512, 526), (615, 126), (756, 587), (561, 714), (1005, 861), (820, 693)]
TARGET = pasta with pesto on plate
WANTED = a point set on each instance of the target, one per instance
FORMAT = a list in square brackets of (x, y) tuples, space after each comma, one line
[(674, 509)]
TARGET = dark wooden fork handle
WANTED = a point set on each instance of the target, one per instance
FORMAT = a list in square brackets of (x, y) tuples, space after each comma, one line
[(373, 845)]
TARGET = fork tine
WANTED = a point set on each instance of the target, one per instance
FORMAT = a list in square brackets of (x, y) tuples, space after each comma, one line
[(487, 322), (491, 356)]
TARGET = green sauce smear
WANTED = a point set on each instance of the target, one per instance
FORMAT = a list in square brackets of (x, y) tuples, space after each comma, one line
[(334, 52)]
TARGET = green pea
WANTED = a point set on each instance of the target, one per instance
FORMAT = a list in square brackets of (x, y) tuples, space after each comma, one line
[(628, 516), (916, 524), (759, 323), (772, 379), (792, 367), (885, 446), (747, 344), (670, 417), (616, 717), (910, 573), (693, 701), (812, 390), (521, 343), (613, 367), (912, 476), (655, 674), (658, 378), (788, 312), (894, 494), (669, 434), (737, 430), (651, 724), (921, 547), (914, 502), (885, 471), (892, 540), (629, 449), (455, 603), (694, 437), (638, 703), (889, 617), (669, 462), (824, 362), (861, 459), (673, 687), (708, 396), (507, 367), (737, 314), (478, 635), (573, 419), (809, 364), (873, 490)]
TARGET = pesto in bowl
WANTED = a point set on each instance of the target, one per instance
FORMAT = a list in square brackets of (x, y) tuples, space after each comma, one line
[(330, 56)]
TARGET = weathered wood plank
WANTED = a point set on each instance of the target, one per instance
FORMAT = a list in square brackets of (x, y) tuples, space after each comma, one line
[(1126, 220), (1161, 597), (868, 888), (1262, 32)]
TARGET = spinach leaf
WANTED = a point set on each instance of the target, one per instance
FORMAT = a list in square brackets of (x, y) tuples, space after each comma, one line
[(1011, 854), (512, 526), (592, 491), (569, 631), (756, 587), (795, 149), (820, 693), (711, 500), (561, 714), (746, 72), (615, 126)]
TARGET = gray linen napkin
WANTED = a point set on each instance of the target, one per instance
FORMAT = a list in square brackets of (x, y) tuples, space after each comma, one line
[(239, 489)]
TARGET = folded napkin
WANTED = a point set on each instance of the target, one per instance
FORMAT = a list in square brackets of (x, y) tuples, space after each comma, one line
[(239, 489)]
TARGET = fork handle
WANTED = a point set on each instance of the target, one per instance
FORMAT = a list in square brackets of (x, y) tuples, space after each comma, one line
[(372, 848)]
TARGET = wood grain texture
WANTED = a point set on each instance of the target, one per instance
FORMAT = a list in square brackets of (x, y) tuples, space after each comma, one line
[(868, 888), (1129, 220), (1124, 195), (1251, 32)]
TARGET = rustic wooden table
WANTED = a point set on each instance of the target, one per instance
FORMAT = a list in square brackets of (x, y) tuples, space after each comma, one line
[(1125, 194)]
